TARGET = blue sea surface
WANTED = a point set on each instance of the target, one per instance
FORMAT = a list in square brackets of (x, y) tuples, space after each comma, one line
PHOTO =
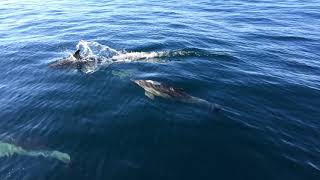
[(258, 60)]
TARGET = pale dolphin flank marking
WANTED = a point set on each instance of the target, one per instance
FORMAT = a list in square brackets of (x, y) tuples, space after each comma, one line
[(7, 150), (154, 88), (137, 56)]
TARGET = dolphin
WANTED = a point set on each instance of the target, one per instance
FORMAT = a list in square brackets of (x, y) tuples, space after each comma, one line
[(73, 60), (154, 88), (77, 61), (88, 62), (7, 150), (123, 73)]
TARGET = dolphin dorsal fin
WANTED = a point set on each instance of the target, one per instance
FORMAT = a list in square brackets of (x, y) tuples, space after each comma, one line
[(77, 54)]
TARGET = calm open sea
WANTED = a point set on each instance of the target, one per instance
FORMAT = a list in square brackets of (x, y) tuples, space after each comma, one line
[(259, 60)]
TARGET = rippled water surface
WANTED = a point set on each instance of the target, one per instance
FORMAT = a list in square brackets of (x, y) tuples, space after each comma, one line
[(259, 60)]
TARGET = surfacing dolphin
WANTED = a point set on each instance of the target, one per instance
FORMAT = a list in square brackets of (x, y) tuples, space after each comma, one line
[(75, 61), (7, 150), (154, 88), (88, 59)]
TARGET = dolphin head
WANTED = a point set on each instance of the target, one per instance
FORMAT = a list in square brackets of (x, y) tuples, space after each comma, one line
[(64, 157), (139, 82)]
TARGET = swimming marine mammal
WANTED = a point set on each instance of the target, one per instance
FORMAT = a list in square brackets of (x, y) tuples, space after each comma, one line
[(7, 150), (88, 62), (154, 88), (75, 61), (90, 56)]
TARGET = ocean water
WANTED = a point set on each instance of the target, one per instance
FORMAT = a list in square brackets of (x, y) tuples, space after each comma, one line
[(259, 60)]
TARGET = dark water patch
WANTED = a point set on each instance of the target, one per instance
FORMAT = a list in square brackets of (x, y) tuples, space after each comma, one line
[(178, 26), (288, 38), (154, 46)]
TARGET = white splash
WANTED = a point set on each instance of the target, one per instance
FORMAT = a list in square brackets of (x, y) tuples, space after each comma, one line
[(134, 56), (91, 49), (94, 49)]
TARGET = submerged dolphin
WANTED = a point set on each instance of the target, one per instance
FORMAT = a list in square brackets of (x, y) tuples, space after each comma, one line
[(154, 88), (123, 73), (7, 150)]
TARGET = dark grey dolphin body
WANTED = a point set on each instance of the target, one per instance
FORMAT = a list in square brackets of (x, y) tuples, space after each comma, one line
[(75, 61), (154, 88)]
